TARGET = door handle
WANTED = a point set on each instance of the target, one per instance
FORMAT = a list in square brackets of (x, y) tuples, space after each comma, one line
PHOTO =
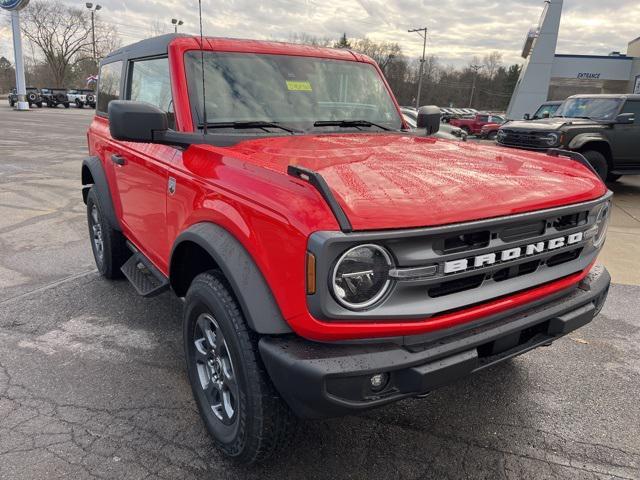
[(118, 159)]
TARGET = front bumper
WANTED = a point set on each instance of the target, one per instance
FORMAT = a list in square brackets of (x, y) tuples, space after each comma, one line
[(323, 380)]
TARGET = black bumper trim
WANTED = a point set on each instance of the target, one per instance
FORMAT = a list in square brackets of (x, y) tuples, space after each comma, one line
[(323, 380)]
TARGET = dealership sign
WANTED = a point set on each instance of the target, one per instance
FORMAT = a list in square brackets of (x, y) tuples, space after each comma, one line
[(589, 76), (13, 4)]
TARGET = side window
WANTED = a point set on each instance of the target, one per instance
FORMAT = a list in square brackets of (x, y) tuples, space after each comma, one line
[(483, 118), (150, 82), (632, 107), (108, 85)]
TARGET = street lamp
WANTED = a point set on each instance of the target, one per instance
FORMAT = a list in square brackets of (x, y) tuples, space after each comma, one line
[(475, 69), (423, 33), (176, 23), (93, 8)]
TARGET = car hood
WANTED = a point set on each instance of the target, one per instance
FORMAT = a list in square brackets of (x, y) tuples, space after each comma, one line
[(548, 124), (390, 181)]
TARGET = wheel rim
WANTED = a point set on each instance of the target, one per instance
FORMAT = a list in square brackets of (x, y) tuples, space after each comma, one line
[(215, 370), (96, 230)]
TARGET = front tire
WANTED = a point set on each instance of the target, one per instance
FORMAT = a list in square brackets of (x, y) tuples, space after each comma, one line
[(598, 162), (108, 245), (78, 104), (237, 401), (492, 135)]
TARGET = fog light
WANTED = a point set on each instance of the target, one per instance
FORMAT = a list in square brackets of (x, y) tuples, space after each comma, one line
[(379, 381)]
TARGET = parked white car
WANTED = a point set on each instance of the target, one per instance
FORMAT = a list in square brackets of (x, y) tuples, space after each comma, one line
[(82, 97)]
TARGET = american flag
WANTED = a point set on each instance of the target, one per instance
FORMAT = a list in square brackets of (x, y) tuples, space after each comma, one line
[(92, 79)]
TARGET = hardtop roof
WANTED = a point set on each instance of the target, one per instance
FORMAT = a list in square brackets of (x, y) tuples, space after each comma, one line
[(623, 96), (159, 46)]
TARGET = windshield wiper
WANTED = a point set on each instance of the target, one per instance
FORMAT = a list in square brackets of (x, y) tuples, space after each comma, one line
[(253, 124), (349, 123)]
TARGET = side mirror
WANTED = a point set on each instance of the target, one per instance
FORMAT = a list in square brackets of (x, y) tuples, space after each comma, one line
[(131, 121), (626, 118), (429, 119), (527, 116)]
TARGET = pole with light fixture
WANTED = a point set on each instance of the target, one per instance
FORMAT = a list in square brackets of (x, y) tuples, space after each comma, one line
[(93, 8), (14, 7), (423, 33), (176, 23)]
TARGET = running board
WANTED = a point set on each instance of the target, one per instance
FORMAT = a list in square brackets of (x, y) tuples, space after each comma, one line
[(145, 278)]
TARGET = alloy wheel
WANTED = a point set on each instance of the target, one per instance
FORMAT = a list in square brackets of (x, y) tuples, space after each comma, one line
[(96, 230), (215, 369)]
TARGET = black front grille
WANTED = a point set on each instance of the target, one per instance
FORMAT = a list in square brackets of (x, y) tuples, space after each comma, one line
[(456, 286), (523, 138)]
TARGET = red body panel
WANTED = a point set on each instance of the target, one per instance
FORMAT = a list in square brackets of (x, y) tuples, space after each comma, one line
[(474, 125), (391, 181), (490, 127), (382, 181)]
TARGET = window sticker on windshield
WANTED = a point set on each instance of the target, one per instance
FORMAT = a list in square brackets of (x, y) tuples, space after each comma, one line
[(298, 86)]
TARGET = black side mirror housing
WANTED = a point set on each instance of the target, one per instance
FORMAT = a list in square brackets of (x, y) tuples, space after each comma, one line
[(527, 116), (131, 121), (626, 118), (429, 119)]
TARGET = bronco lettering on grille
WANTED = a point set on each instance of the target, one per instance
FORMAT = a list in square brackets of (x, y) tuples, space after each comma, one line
[(463, 264)]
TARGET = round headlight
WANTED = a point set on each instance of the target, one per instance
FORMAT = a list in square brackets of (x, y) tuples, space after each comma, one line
[(551, 139), (602, 222), (501, 134), (361, 276)]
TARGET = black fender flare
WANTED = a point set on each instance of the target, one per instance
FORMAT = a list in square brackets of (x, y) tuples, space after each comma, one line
[(582, 139), (101, 187), (245, 278)]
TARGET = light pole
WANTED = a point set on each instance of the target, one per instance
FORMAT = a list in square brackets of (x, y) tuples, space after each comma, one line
[(176, 23), (93, 8), (475, 69), (423, 33)]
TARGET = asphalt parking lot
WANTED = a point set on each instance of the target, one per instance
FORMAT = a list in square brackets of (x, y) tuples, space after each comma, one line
[(92, 381)]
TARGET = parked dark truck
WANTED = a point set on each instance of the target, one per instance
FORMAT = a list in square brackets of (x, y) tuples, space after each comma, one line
[(329, 260), (605, 129)]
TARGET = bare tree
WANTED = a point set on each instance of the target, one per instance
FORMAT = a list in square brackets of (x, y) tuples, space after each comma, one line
[(157, 28), (306, 39), (63, 36), (382, 52), (491, 63)]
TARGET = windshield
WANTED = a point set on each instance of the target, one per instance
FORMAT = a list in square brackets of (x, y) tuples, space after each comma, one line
[(296, 91), (594, 108)]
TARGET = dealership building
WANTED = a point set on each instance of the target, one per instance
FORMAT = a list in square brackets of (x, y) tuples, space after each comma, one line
[(547, 75)]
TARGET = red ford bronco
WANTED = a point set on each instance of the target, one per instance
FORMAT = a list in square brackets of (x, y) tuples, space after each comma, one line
[(329, 260)]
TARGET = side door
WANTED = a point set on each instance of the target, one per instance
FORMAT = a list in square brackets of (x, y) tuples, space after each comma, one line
[(625, 138), (479, 122), (141, 170)]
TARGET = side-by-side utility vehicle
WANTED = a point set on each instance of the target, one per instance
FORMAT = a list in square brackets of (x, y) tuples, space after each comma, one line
[(329, 260)]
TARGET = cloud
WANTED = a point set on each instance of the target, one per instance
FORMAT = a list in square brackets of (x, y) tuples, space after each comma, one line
[(458, 29)]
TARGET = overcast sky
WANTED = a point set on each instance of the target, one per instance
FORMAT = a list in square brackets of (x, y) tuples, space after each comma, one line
[(458, 29)]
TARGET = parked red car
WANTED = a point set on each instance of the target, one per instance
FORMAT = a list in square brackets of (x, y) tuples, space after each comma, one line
[(329, 260), (473, 125), (490, 130)]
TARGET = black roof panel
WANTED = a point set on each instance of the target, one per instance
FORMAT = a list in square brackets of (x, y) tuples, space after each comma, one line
[(145, 48)]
